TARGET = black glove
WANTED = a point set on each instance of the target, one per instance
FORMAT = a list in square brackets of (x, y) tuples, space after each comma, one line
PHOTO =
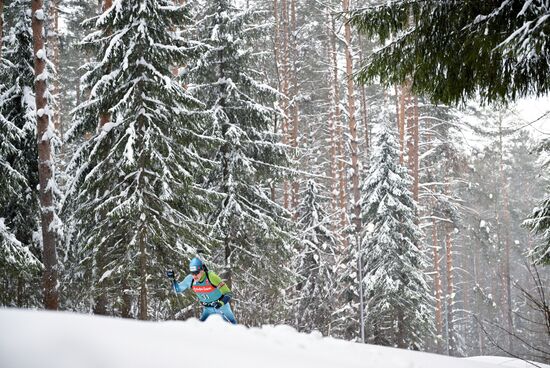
[(170, 274), (222, 301)]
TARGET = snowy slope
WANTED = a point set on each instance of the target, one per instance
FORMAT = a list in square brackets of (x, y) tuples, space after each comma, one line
[(67, 340)]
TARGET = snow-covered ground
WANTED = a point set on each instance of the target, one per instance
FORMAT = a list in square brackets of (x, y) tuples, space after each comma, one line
[(40, 339)]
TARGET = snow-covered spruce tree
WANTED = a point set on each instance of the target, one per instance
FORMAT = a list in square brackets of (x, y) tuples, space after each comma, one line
[(248, 223), (398, 310), (134, 202), (19, 202), (538, 222), (314, 264)]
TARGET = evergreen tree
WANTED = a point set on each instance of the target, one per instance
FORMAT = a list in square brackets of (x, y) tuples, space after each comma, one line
[(136, 208), (20, 208), (398, 308), (538, 221), (502, 47), (246, 221), (539, 224), (314, 264)]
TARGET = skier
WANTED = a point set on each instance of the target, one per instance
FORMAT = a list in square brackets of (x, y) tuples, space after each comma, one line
[(213, 293)]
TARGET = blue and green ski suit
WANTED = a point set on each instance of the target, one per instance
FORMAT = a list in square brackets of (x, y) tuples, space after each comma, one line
[(210, 290)]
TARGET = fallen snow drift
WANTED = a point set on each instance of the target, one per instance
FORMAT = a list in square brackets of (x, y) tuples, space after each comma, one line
[(32, 339)]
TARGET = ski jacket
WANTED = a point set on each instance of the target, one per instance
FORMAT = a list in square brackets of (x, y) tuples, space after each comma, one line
[(209, 289)]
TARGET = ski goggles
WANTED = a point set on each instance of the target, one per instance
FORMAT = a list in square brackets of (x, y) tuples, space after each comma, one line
[(196, 272)]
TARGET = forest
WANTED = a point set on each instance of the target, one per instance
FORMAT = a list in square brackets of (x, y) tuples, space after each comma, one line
[(373, 170)]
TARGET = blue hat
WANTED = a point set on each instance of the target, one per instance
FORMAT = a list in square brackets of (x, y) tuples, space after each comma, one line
[(195, 265)]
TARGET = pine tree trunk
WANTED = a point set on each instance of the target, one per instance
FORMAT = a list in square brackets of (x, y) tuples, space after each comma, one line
[(505, 209), (285, 91), (294, 103), (126, 308), (342, 202), (143, 275), (101, 300), (450, 289), (276, 55), (480, 334), (142, 235), (333, 167), (364, 112), (401, 123), (413, 142), (45, 170), (401, 332), (437, 287), (276, 45), (55, 44), (352, 123)]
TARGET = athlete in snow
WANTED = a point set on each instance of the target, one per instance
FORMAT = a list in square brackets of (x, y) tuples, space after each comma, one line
[(213, 293)]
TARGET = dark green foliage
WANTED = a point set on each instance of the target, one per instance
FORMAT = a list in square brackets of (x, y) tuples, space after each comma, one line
[(132, 201), (315, 292), (245, 220), (19, 202), (454, 50)]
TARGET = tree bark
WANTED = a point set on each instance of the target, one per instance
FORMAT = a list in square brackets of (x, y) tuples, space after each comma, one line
[(412, 143), (401, 122), (450, 289), (143, 274), (294, 103), (55, 45), (352, 123), (45, 161), (342, 202), (333, 167), (437, 287), (125, 310), (504, 209), (285, 91), (364, 112)]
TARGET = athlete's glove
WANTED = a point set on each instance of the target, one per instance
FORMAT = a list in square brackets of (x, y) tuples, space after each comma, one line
[(170, 274), (222, 301)]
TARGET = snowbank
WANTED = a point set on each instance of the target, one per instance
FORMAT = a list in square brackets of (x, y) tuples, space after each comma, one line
[(32, 339)]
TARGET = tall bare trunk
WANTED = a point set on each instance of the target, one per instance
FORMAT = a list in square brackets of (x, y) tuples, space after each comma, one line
[(503, 207), (53, 37), (333, 167), (342, 201), (101, 300), (437, 287), (294, 103), (45, 162), (126, 308), (401, 122), (364, 113), (412, 143), (285, 90), (480, 334), (352, 123), (143, 275), (276, 45), (450, 289)]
